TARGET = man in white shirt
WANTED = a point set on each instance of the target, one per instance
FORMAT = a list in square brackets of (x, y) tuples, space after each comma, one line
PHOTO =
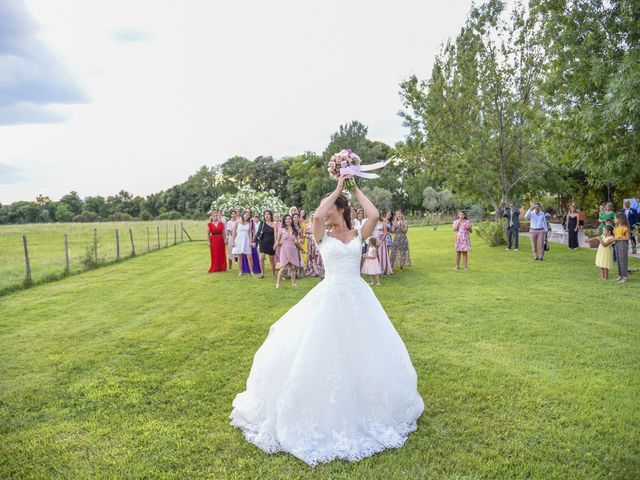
[(537, 231)]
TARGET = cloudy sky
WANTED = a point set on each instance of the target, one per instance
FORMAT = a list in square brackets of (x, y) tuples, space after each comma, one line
[(98, 96)]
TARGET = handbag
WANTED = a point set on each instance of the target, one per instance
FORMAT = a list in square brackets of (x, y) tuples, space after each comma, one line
[(259, 234)]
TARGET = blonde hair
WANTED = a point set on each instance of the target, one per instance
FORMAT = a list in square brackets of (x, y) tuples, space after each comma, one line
[(372, 242)]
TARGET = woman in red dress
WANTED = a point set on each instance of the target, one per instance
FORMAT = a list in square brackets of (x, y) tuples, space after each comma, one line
[(216, 244)]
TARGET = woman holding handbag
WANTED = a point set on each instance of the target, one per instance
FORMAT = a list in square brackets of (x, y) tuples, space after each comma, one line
[(265, 239)]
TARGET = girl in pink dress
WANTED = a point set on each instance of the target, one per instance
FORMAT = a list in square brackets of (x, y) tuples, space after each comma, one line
[(289, 250), (463, 227), (371, 265)]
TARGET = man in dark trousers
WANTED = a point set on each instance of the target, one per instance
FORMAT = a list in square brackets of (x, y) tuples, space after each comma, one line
[(512, 214), (633, 218)]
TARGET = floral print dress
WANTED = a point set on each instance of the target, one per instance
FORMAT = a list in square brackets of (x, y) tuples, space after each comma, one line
[(462, 228)]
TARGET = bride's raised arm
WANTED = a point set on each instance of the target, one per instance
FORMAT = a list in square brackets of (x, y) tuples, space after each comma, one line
[(371, 211), (323, 209)]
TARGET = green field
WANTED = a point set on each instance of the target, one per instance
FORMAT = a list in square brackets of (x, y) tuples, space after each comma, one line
[(46, 245), (527, 369)]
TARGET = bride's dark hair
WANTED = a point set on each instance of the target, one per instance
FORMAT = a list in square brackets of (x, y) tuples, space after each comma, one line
[(342, 202)]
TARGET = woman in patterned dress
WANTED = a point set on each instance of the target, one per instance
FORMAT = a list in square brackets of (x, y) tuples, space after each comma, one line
[(302, 252), (314, 266), (400, 256), (463, 227)]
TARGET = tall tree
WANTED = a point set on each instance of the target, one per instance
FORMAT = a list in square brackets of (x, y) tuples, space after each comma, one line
[(474, 120), (592, 84)]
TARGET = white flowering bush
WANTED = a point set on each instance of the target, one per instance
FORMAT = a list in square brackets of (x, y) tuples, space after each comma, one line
[(249, 198)]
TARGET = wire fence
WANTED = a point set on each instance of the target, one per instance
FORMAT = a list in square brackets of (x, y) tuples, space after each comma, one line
[(31, 254)]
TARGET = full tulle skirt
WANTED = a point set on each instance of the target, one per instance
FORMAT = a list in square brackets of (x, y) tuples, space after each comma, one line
[(333, 379)]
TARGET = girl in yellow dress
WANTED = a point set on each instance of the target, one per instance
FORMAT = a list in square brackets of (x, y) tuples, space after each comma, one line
[(604, 257)]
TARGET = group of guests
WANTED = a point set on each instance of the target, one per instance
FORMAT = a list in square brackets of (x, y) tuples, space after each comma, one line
[(615, 234), (287, 242)]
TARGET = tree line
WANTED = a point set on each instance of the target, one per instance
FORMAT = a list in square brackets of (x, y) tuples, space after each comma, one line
[(530, 100)]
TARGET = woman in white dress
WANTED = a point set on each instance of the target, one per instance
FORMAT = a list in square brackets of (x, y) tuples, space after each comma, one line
[(333, 379), (242, 240)]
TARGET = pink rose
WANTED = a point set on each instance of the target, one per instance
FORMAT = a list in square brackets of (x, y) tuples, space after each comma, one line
[(344, 164), (332, 164)]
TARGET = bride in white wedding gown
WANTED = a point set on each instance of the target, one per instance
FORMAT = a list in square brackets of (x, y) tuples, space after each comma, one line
[(333, 379)]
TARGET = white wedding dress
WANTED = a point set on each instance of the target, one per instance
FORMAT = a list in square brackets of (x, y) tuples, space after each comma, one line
[(333, 379)]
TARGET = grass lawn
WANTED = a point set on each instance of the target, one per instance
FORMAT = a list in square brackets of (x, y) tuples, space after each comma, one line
[(46, 245), (527, 369)]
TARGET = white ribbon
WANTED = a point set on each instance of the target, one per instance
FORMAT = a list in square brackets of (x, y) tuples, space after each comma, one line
[(358, 170)]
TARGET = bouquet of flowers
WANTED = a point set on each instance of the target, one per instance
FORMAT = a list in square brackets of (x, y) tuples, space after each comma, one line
[(343, 159), (345, 162)]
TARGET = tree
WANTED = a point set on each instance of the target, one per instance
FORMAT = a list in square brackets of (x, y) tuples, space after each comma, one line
[(591, 84), (235, 173), (96, 204), (73, 201), (381, 198), (63, 212), (475, 119), (437, 201)]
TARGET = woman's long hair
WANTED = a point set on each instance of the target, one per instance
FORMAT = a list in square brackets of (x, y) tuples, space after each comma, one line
[(342, 202), (293, 225)]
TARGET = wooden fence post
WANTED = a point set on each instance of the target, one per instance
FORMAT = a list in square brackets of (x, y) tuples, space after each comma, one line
[(181, 232), (166, 235), (175, 234), (67, 268), (117, 245), (133, 247), (27, 279), (158, 237), (148, 241)]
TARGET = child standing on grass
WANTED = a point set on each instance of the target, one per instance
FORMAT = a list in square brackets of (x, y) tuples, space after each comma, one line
[(371, 265), (604, 257), (462, 226), (622, 234)]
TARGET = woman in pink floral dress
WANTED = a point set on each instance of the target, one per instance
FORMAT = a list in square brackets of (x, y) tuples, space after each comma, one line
[(463, 227)]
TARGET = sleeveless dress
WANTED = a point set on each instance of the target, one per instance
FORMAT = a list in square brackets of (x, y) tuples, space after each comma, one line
[(604, 256), (242, 244), (463, 241), (400, 256), (313, 267), (267, 240), (333, 379), (383, 250), (371, 265), (216, 247), (288, 251), (572, 223)]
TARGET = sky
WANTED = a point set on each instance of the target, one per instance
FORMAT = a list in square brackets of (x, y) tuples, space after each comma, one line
[(101, 96)]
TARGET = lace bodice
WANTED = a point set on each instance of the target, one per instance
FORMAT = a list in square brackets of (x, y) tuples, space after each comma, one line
[(341, 260)]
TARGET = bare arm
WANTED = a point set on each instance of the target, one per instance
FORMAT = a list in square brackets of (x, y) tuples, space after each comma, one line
[(323, 209), (371, 211)]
